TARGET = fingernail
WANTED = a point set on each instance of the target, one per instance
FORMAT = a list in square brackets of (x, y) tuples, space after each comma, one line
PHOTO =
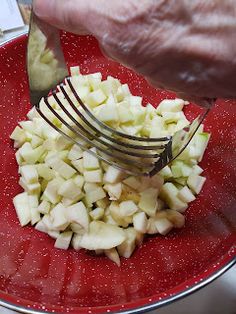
[(42, 7)]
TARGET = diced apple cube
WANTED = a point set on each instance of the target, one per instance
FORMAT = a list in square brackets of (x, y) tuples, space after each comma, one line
[(63, 240), (75, 152), (95, 195), (95, 98), (171, 105), (62, 168), (113, 175), (69, 189), (94, 176), (51, 191), (148, 201), (40, 226), (33, 201), (127, 247), (36, 141), (114, 190), (197, 169), (140, 222), (90, 162), (59, 217), (97, 213), (124, 113), (76, 242), (108, 113), (77, 213), (44, 207), (78, 164), (29, 173), (195, 182), (79, 181), (176, 218), (166, 172), (132, 182), (35, 215), (186, 195), (163, 225), (169, 194), (29, 154), (45, 172), (102, 236), (18, 135), (31, 188), (21, 204), (128, 208)]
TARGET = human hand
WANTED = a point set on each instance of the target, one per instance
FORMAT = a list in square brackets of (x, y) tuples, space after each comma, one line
[(184, 46)]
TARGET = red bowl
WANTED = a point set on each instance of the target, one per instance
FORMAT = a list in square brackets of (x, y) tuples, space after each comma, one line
[(35, 276)]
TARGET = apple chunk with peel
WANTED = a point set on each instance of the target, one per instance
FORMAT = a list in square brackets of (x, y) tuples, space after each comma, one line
[(102, 236)]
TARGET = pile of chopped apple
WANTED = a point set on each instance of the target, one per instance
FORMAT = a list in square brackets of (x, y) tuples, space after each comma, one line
[(77, 199)]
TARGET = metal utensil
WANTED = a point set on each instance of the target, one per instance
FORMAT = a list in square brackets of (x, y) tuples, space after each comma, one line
[(135, 155)]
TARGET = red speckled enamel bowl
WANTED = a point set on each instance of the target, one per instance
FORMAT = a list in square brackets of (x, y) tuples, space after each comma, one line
[(35, 277)]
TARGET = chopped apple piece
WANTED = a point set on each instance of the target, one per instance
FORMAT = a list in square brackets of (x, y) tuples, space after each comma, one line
[(140, 222), (69, 189), (62, 168), (76, 241), (97, 213), (176, 218), (114, 190), (77, 213), (148, 201), (51, 191), (59, 217), (132, 182), (21, 204), (186, 195), (75, 152), (195, 182), (102, 236), (113, 255), (63, 240), (127, 247), (29, 173), (163, 225), (90, 162), (94, 176), (128, 208), (44, 207), (95, 195)]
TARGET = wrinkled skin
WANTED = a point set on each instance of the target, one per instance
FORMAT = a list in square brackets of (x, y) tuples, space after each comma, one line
[(187, 46)]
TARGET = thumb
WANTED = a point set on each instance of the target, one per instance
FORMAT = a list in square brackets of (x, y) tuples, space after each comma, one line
[(70, 15)]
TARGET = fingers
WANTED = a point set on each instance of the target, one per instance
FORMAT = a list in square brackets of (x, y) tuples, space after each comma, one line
[(69, 15)]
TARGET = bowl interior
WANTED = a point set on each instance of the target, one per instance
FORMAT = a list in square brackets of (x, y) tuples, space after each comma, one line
[(35, 274)]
